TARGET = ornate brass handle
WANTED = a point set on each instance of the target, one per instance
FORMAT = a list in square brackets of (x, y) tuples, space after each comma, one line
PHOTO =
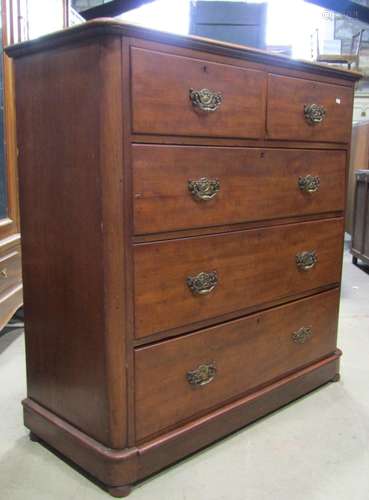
[(205, 99), (204, 188), (202, 283), (309, 183), (306, 260), (4, 273), (314, 113), (202, 375), (302, 335)]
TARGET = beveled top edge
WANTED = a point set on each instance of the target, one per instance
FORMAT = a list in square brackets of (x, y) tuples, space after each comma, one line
[(108, 26)]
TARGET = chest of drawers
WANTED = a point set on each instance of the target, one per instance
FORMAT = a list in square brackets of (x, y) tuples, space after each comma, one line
[(182, 208)]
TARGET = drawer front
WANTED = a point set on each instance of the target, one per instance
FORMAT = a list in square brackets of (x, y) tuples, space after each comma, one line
[(179, 378), (184, 281), (179, 187), (10, 270), (161, 101), (287, 117)]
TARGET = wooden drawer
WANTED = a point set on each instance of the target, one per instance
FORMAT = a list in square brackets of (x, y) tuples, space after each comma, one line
[(10, 270), (254, 184), (161, 103), (272, 343), (253, 267), (287, 98)]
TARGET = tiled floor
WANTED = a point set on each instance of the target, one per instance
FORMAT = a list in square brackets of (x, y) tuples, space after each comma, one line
[(314, 449)]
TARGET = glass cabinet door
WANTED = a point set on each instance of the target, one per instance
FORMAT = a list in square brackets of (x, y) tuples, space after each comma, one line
[(9, 33)]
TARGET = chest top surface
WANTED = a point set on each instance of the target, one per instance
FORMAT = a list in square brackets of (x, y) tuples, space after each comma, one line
[(107, 26)]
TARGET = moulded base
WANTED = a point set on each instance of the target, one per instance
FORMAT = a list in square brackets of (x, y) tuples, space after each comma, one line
[(118, 470)]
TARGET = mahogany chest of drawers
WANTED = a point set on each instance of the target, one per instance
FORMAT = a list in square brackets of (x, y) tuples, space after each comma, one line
[(182, 208)]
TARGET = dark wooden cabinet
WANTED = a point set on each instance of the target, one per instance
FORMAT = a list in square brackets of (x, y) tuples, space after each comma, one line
[(182, 212), (360, 230), (359, 159)]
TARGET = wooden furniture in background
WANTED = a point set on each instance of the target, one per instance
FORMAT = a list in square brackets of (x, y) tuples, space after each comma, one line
[(10, 262), (359, 159), (182, 230), (360, 233), (349, 59)]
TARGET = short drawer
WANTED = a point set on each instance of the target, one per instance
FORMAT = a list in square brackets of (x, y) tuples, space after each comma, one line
[(307, 110), (179, 187), (10, 270), (177, 379), (163, 103), (184, 281)]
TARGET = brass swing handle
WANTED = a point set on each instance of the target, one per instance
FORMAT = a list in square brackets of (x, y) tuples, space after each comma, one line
[(314, 113), (205, 99), (306, 260), (202, 283), (309, 183), (302, 335), (204, 189), (202, 375)]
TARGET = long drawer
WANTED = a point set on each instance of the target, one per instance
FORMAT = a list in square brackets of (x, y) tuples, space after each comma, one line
[(179, 378), (178, 187), (307, 110), (178, 95), (184, 281)]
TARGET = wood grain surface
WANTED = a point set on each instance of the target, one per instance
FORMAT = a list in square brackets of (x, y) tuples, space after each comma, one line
[(70, 197), (253, 267), (255, 184), (160, 96), (285, 113), (246, 353)]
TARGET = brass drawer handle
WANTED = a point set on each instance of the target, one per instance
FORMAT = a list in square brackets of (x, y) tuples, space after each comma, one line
[(314, 113), (309, 183), (202, 283), (202, 375), (302, 335), (4, 273), (306, 260), (205, 99), (204, 189)]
